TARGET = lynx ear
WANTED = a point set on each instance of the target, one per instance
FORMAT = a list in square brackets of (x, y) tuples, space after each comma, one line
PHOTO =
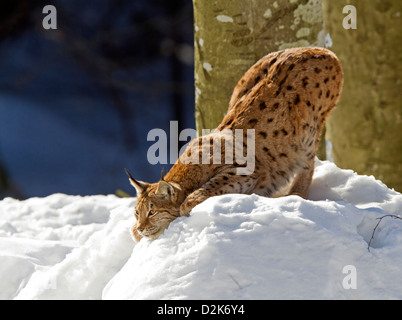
[(165, 190), (140, 186)]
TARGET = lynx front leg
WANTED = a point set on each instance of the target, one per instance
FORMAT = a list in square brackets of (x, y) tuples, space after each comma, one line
[(302, 181), (223, 183)]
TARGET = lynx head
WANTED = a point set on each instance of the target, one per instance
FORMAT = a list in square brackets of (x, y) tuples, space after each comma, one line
[(158, 204)]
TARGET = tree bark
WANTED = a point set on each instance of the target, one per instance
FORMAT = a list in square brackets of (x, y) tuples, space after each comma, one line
[(365, 129), (231, 35)]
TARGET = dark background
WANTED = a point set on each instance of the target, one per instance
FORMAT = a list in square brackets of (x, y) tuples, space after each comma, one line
[(77, 103)]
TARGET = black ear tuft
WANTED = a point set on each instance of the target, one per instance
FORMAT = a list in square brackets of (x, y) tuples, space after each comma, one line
[(140, 186)]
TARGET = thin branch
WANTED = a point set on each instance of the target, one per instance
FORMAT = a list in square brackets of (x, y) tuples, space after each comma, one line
[(235, 281), (379, 221)]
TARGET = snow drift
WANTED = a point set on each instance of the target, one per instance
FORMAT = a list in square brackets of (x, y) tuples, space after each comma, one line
[(231, 247)]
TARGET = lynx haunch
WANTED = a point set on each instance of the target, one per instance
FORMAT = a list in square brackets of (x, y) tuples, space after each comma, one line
[(285, 97)]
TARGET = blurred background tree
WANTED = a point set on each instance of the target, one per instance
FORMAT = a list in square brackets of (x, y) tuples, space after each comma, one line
[(366, 127), (15, 18), (3, 180)]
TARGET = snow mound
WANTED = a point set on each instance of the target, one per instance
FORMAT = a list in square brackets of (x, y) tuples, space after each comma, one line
[(62, 247), (231, 247)]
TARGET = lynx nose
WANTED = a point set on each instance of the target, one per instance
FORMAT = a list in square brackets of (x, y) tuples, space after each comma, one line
[(140, 228)]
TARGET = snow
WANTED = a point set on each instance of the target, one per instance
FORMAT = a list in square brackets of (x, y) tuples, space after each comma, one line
[(231, 247)]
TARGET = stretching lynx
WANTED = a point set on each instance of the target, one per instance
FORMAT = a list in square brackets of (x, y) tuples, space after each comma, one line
[(285, 97)]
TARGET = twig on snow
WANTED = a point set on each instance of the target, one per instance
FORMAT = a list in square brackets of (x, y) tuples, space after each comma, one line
[(379, 221)]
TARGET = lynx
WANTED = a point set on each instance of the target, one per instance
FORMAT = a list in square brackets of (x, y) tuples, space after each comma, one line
[(285, 98)]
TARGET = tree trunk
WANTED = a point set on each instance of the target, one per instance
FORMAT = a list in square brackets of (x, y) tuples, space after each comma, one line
[(365, 129), (231, 35), (3, 181)]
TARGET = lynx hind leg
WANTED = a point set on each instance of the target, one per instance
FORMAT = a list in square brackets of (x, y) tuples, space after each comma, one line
[(258, 71), (223, 183), (302, 181)]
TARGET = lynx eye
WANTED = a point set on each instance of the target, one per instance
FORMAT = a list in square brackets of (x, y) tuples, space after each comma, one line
[(136, 213), (150, 213)]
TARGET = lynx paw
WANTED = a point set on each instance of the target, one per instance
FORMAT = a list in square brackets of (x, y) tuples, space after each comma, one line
[(185, 209), (192, 200)]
